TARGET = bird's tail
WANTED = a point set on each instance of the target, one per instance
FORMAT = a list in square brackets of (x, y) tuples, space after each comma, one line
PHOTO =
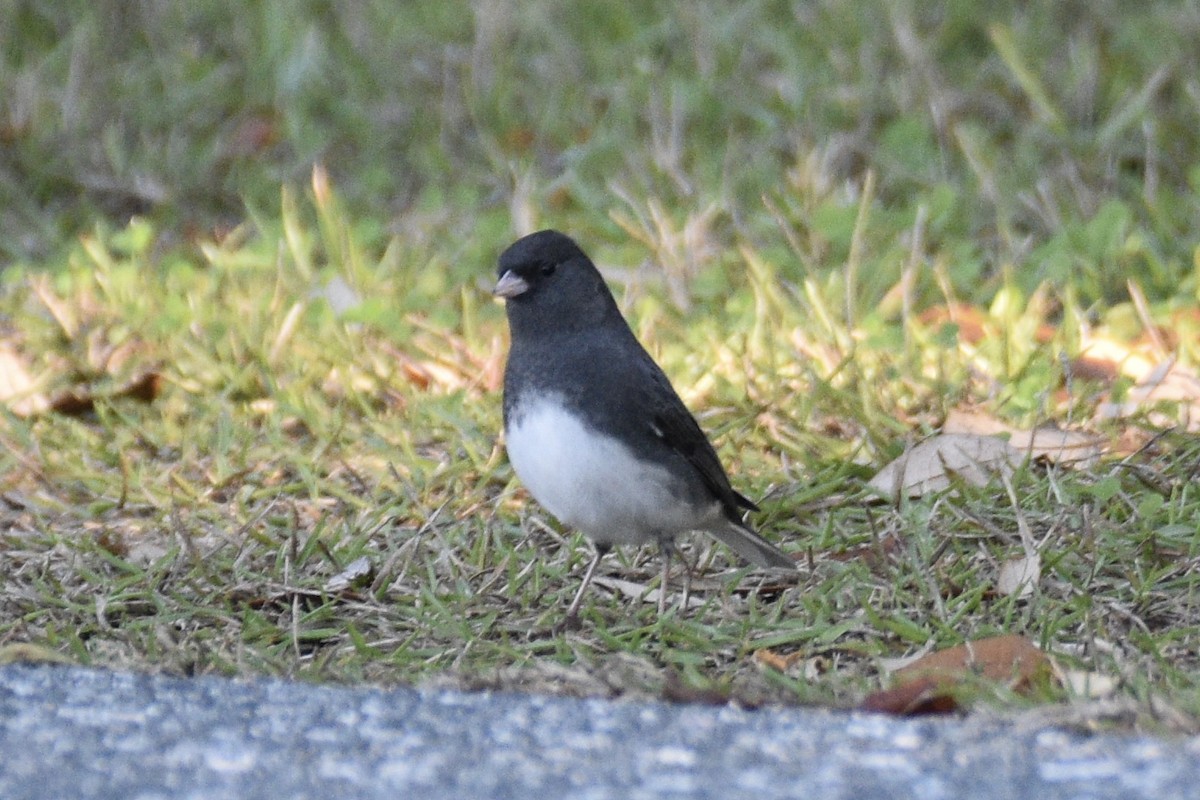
[(752, 547)]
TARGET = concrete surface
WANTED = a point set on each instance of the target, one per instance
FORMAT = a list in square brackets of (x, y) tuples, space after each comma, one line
[(78, 733)]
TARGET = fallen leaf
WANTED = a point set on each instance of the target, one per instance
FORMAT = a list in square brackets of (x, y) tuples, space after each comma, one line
[(918, 697), (428, 374), (1156, 379), (437, 360), (932, 683), (144, 388), (1047, 442), (929, 466), (1166, 382), (1019, 576), (1110, 356), (976, 422), (1087, 368), (796, 665), (18, 389), (780, 662), (74, 402), (358, 572), (638, 591), (1091, 685), (1058, 446), (971, 321)]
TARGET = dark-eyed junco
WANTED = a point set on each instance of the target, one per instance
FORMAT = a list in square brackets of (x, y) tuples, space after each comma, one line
[(594, 429)]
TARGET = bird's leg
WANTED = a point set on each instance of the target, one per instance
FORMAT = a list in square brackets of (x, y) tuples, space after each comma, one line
[(572, 618), (687, 580), (665, 546), (668, 548)]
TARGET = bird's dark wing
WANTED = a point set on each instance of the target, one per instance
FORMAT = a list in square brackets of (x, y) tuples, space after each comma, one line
[(626, 393), (679, 430)]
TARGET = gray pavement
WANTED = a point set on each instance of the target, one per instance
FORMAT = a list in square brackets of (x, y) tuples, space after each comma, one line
[(79, 733)]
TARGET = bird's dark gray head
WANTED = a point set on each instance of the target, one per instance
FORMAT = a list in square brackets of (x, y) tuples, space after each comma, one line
[(549, 284)]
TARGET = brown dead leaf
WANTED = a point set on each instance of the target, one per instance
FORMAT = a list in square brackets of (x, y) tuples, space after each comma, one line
[(929, 466), (918, 697), (1087, 368), (1009, 658), (74, 402), (971, 320), (429, 374), (435, 360), (144, 388), (1108, 356), (1047, 441), (929, 685), (796, 665), (780, 662)]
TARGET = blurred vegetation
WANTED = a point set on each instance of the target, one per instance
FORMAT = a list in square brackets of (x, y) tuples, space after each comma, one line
[(1056, 140)]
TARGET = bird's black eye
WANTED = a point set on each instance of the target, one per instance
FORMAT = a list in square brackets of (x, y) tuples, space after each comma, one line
[(548, 269)]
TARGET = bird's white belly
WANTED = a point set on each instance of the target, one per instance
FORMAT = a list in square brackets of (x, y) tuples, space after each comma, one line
[(593, 482)]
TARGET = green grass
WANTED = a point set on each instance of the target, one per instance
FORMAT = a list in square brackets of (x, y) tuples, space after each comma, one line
[(783, 197)]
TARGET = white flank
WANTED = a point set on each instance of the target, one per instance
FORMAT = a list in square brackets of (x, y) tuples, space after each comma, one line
[(593, 482)]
